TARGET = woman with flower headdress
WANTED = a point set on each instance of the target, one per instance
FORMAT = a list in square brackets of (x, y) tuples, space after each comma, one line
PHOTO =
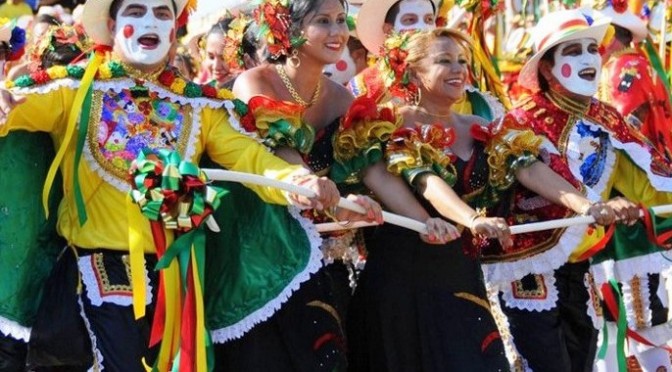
[(302, 330), (214, 69), (419, 306)]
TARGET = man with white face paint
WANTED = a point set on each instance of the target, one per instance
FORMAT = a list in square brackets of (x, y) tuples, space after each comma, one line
[(551, 294), (377, 20), (135, 103)]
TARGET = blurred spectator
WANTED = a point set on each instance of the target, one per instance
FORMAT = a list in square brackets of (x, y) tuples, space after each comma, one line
[(185, 63)]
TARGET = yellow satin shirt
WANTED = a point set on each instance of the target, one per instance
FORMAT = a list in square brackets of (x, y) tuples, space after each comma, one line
[(106, 205)]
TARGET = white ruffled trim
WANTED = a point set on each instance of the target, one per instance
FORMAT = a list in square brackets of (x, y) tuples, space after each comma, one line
[(625, 270), (496, 107), (539, 305), (46, 88), (14, 330), (98, 359), (93, 290), (659, 335), (237, 330), (184, 100), (193, 135), (108, 177), (642, 158), (235, 123), (629, 302), (547, 261)]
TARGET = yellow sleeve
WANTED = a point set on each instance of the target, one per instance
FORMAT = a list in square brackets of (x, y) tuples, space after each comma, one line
[(238, 152), (41, 112), (634, 184)]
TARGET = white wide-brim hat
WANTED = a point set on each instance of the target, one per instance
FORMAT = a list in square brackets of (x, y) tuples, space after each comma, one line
[(370, 21), (655, 23), (556, 28), (628, 20), (96, 13)]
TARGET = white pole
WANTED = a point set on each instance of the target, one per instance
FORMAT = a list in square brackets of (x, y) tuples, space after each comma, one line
[(224, 175), (517, 229)]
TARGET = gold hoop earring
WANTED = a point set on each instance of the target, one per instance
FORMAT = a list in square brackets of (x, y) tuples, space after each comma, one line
[(414, 97), (294, 59)]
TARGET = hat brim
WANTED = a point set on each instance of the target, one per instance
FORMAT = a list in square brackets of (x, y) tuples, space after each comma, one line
[(628, 21), (370, 21), (528, 74), (95, 15)]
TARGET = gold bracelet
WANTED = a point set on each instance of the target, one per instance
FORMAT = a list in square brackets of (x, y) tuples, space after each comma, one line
[(480, 212), (331, 213)]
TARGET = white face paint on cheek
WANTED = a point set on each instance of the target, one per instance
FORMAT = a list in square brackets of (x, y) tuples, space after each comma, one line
[(418, 7), (567, 68), (136, 37)]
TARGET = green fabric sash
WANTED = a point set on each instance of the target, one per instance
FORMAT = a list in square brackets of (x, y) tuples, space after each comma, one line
[(252, 265), (28, 243)]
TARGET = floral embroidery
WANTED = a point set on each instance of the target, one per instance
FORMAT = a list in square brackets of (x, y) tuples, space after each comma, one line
[(132, 120)]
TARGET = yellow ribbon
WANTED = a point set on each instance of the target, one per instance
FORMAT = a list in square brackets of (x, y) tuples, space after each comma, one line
[(86, 82), (137, 256), (201, 358)]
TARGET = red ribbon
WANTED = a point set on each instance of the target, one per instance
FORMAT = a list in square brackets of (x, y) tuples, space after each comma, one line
[(595, 249), (660, 240), (612, 306), (160, 313)]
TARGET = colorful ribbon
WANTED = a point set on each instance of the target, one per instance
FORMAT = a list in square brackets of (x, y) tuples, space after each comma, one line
[(175, 195)]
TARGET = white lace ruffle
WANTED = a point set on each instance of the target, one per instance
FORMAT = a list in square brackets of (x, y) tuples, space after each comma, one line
[(46, 88), (641, 157), (624, 270), (235, 123), (547, 261), (98, 356), (90, 281), (538, 305), (14, 330), (237, 330)]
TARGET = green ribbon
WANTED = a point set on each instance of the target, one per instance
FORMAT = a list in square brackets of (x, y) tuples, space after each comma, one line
[(81, 139), (154, 179), (657, 65), (622, 326)]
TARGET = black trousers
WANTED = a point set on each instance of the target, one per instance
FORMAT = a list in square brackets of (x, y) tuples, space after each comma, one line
[(562, 339), (12, 354)]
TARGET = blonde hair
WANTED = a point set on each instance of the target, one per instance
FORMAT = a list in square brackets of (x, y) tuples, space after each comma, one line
[(418, 44)]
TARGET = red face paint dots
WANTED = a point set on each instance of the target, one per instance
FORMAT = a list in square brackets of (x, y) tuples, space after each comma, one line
[(128, 31), (566, 70)]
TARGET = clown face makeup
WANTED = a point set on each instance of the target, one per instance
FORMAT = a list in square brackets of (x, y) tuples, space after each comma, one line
[(343, 70), (577, 66), (415, 15), (144, 31)]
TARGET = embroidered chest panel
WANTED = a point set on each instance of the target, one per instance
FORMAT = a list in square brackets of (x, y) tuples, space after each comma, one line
[(124, 123), (589, 154)]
